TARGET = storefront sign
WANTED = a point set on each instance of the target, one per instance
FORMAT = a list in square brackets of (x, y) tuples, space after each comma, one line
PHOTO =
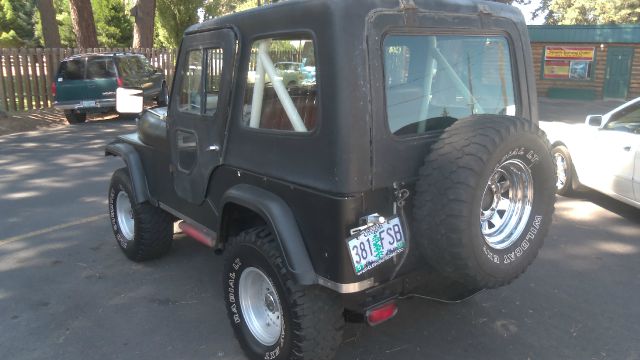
[(568, 62), (569, 53)]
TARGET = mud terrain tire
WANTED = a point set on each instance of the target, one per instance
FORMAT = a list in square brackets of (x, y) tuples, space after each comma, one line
[(147, 233), (485, 199), (310, 317)]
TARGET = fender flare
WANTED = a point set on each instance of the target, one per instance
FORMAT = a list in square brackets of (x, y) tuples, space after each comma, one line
[(278, 215), (131, 158)]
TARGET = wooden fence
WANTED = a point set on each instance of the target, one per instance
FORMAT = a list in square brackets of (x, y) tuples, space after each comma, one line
[(26, 74)]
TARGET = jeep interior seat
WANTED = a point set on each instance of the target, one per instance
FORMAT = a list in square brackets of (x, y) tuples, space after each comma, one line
[(274, 116)]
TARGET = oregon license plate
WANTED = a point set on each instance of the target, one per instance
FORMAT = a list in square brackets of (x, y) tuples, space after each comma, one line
[(376, 244), (88, 103)]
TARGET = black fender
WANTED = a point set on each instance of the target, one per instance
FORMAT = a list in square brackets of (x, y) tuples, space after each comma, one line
[(280, 218), (131, 158)]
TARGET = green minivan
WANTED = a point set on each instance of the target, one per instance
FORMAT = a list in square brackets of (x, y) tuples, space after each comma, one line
[(87, 83)]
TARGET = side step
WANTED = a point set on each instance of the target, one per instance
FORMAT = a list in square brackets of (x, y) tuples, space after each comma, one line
[(204, 236)]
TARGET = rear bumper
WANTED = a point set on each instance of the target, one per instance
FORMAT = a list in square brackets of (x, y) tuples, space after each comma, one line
[(85, 104)]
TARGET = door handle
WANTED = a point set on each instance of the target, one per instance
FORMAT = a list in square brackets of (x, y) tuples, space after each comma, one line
[(213, 148), (627, 148)]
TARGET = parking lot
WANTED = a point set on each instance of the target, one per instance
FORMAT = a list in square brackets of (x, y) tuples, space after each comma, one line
[(67, 292)]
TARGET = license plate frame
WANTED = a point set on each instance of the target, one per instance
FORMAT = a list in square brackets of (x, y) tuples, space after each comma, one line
[(88, 103), (376, 244)]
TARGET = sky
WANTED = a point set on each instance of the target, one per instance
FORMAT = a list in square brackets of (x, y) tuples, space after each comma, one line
[(528, 9)]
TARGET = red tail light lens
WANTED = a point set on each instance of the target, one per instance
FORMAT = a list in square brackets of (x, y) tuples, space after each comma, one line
[(119, 81), (53, 88), (382, 313)]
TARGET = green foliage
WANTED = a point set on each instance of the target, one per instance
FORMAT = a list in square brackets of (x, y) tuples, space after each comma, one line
[(172, 19), (569, 12), (16, 23), (113, 23)]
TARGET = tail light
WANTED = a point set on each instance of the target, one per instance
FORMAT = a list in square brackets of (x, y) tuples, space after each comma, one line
[(381, 313), (53, 89), (119, 81)]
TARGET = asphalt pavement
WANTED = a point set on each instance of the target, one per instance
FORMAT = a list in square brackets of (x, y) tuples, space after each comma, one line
[(67, 292)]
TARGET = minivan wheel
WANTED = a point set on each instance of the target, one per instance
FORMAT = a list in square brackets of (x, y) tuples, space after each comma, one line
[(142, 231), (75, 116), (484, 201), (566, 182), (273, 317)]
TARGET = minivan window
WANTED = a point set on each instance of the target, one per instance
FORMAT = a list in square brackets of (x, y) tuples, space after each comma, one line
[(100, 68), (433, 80), (72, 69)]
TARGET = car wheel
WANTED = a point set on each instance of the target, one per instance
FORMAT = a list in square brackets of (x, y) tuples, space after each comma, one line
[(485, 199), (142, 231), (272, 316), (75, 116), (163, 97), (566, 181)]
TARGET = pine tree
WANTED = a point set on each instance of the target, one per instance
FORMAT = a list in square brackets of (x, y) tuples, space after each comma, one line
[(16, 23)]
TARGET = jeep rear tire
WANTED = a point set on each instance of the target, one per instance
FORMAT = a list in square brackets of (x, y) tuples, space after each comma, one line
[(272, 316), (142, 231), (485, 199), (75, 116)]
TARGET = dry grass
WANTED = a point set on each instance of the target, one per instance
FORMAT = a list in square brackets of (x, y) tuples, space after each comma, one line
[(40, 120)]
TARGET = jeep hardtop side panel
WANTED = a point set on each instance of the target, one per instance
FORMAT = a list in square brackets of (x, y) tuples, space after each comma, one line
[(335, 158)]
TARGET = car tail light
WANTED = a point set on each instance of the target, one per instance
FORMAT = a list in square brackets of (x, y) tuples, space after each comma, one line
[(119, 81), (53, 89), (382, 313)]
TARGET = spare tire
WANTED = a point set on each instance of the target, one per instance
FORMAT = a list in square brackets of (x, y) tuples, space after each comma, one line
[(485, 199)]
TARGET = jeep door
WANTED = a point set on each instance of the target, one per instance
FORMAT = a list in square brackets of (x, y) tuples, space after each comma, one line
[(199, 108)]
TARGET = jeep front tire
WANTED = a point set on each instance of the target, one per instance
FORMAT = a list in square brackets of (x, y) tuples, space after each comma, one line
[(485, 199), (272, 316), (142, 231)]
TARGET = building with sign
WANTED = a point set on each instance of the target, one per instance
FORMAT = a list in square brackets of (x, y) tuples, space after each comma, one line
[(587, 61)]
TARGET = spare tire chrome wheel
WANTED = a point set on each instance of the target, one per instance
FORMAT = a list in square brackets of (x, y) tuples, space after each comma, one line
[(506, 204), (484, 201)]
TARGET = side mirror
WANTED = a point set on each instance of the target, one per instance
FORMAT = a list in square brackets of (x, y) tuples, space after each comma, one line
[(594, 120), (129, 101)]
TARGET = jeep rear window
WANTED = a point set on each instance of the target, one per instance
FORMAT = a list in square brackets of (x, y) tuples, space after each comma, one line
[(72, 69), (433, 80), (288, 101)]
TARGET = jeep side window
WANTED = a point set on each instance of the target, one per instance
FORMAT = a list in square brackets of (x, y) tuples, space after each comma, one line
[(72, 69), (191, 74), (280, 96), (433, 80), (213, 78)]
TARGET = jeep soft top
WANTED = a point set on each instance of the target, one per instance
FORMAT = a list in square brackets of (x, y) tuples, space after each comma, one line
[(410, 164)]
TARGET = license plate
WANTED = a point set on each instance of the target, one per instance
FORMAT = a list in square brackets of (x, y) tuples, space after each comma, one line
[(375, 245), (88, 103)]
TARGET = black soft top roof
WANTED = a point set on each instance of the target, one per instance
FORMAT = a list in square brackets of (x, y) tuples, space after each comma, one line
[(355, 8)]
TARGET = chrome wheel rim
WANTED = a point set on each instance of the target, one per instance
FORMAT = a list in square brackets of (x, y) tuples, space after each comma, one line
[(561, 170), (260, 306), (506, 204), (124, 214)]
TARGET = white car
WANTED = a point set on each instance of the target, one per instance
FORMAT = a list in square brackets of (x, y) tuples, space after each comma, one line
[(603, 153)]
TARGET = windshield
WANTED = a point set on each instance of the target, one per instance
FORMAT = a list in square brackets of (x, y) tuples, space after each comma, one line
[(433, 80)]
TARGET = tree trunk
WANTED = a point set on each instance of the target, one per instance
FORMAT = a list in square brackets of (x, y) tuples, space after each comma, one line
[(83, 23), (144, 12), (50, 30)]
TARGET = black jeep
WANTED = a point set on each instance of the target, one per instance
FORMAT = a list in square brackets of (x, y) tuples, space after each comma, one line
[(409, 163)]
